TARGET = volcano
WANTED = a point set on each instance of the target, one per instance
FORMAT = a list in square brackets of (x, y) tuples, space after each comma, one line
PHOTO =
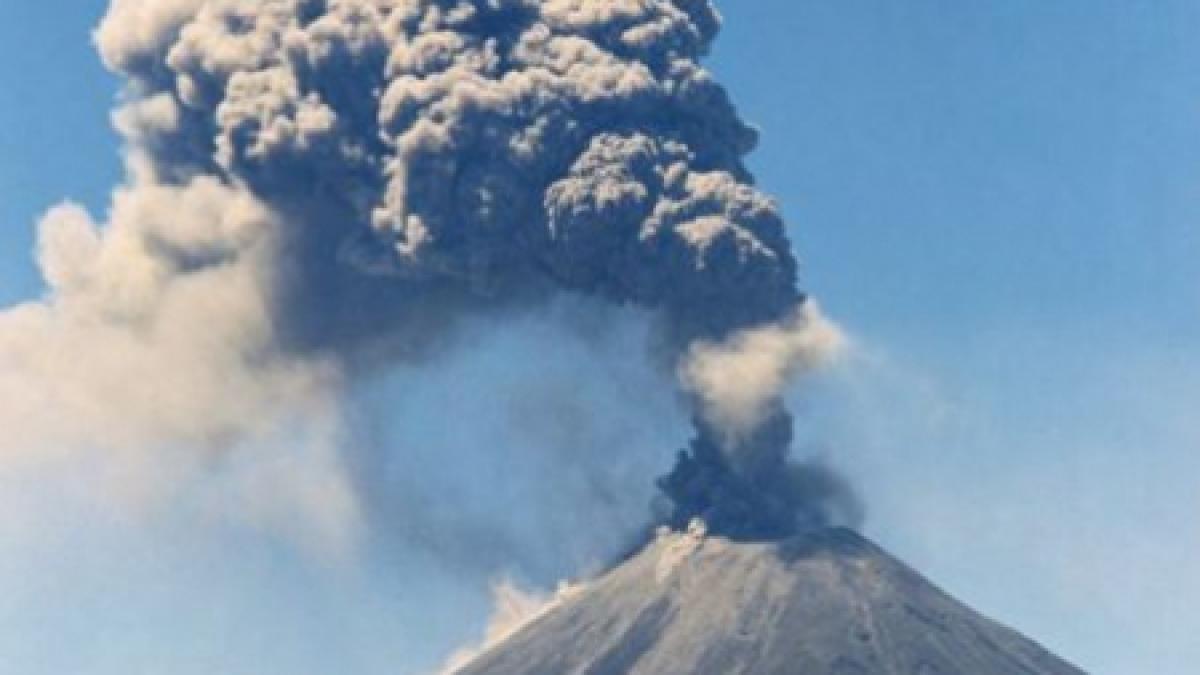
[(827, 602)]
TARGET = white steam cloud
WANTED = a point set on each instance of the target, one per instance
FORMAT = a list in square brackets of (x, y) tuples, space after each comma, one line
[(153, 359), (739, 379)]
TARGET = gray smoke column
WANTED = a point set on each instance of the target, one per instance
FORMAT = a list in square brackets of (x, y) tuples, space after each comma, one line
[(394, 165)]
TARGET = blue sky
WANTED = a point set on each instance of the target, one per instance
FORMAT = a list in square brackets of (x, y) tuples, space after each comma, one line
[(1000, 201)]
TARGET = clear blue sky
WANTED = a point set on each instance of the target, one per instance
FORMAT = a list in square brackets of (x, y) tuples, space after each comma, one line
[(1000, 201)]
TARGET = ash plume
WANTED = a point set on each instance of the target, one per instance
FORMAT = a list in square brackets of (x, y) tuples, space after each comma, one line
[(318, 187)]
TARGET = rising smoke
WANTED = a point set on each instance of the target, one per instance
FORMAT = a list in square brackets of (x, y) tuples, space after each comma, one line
[(319, 187)]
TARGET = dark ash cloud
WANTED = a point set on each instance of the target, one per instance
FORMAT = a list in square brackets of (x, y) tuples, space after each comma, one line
[(320, 187)]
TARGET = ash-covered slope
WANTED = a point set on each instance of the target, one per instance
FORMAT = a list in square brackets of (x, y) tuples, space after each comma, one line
[(824, 603)]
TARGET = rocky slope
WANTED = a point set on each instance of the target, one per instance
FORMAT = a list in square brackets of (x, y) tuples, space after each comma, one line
[(825, 603)]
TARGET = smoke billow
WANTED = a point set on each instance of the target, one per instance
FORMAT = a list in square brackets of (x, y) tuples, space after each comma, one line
[(318, 187)]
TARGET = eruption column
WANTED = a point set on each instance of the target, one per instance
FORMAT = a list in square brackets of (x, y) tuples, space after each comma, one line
[(386, 167)]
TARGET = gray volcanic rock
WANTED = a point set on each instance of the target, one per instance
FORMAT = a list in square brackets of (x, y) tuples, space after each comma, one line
[(824, 603)]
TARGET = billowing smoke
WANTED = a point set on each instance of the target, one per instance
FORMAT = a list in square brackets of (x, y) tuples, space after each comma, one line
[(737, 476), (318, 188)]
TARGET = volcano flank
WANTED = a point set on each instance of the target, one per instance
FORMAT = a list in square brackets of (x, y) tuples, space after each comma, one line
[(827, 602)]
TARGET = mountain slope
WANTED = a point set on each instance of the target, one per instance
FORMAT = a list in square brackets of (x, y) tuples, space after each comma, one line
[(825, 603)]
